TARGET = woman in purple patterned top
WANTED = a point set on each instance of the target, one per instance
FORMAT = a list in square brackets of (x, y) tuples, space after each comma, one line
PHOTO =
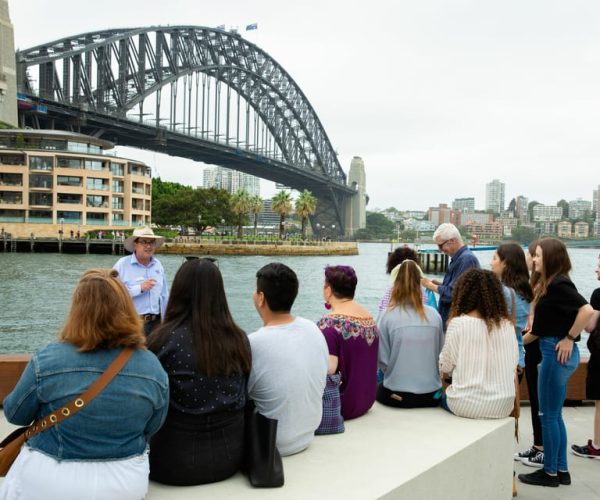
[(352, 339)]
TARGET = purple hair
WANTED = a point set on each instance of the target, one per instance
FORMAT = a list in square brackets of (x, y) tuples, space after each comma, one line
[(342, 280)]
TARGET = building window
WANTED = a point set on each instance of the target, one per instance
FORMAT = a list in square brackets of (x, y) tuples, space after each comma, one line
[(97, 184), (11, 179), (41, 199), (71, 217), (117, 169), (69, 162), (95, 218), (117, 203), (137, 188), (96, 201), (67, 180), (74, 199), (117, 186), (116, 217), (11, 197), (40, 181), (53, 145), (40, 216), (8, 159), (93, 165), (41, 163)]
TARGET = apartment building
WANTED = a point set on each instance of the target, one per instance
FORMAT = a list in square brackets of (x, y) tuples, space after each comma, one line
[(53, 181)]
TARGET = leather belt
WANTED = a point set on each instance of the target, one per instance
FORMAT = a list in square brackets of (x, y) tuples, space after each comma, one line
[(149, 317)]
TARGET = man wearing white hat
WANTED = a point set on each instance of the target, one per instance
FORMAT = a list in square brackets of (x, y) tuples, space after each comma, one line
[(144, 276)]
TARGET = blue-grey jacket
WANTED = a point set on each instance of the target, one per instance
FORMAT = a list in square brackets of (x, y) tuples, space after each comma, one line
[(117, 424)]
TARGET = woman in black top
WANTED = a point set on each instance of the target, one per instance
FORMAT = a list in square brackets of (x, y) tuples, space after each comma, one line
[(207, 357), (560, 314)]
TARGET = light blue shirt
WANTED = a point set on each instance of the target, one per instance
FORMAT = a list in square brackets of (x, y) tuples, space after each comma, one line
[(521, 315), (133, 274)]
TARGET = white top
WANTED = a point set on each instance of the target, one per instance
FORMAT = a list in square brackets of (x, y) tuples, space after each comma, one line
[(409, 349), (482, 365), (289, 370)]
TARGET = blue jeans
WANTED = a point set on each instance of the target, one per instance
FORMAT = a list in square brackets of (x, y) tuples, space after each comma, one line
[(552, 390)]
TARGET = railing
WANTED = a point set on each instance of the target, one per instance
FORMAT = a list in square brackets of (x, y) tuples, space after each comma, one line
[(40, 220), (12, 219)]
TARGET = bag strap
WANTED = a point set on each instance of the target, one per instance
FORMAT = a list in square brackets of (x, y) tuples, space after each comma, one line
[(86, 398)]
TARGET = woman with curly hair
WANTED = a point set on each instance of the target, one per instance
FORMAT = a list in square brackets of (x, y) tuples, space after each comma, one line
[(480, 352), (411, 336), (560, 314), (353, 339)]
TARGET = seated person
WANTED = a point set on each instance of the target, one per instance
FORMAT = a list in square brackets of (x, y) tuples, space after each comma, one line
[(480, 351), (352, 340), (207, 357), (411, 336), (289, 361)]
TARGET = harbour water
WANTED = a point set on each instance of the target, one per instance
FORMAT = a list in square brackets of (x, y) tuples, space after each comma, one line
[(36, 289)]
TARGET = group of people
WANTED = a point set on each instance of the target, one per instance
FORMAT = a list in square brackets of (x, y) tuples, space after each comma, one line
[(175, 412)]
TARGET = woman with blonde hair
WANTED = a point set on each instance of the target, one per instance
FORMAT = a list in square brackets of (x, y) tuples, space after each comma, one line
[(411, 336), (101, 451), (480, 352)]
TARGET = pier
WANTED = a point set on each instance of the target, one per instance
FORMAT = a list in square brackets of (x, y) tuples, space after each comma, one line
[(58, 245)]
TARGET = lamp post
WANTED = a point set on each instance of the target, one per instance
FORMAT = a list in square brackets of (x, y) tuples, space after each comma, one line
[(200, 224), (318, 231), (62, 227), (222, 226), (333, 231)]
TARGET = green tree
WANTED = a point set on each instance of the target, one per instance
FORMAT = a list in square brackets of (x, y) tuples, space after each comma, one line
[(523, 234), (378, 227), (530, 209), (256, 206), (564, 204), (282, 205), (306, 204), (163, 188), (240, 204)]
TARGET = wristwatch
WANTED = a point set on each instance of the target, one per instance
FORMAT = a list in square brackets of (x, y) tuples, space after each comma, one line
[(570, 337)]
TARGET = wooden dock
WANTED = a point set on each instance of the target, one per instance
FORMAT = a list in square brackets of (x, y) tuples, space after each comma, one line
[(58, 245)]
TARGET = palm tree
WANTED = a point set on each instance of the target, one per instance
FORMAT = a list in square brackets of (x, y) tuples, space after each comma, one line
[(240, 204), (282, 205), (306, 205), (256, 206)]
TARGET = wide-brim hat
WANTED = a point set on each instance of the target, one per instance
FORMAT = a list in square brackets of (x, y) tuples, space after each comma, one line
[(143, 232)]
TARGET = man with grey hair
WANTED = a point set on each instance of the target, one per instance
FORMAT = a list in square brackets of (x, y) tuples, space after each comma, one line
[(448, 239)]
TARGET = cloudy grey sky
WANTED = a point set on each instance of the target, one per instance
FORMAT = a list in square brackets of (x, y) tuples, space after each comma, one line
[(438, 97)]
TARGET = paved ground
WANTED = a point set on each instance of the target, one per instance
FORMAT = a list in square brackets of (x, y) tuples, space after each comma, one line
[(585, 473)]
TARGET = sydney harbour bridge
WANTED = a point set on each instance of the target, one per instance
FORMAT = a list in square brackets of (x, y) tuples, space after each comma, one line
[(201, 93)]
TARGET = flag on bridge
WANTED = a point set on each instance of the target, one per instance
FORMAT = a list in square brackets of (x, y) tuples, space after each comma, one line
[(253, 26)]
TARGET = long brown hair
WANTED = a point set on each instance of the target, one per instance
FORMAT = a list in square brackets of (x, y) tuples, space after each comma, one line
[(407, 288), (197, 299), (556, 263), (102, 314), (534, 278), (515, 274), (479, 290)]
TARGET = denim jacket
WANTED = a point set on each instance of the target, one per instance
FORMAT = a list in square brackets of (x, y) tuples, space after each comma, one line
[(117, 424)]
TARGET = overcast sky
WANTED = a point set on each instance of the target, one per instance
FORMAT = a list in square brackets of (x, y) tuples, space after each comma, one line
[(438, 97)]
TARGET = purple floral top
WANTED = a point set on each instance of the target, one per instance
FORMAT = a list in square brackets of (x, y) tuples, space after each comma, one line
[(355, 342)]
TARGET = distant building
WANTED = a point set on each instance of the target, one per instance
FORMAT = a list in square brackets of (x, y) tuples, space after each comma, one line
[(356, 212), (494, 196), (230, 180), (8, 74), (595, 202), (267, 219), (564, 229), (509, 222), (521, 205), (578, 208), (464, 204), (546, 228), (442, 214), (581, 230), (490, 231), (547, 213), (477, 218), (51, 181)]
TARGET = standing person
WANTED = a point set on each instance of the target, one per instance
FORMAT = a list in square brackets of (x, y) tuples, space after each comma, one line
[(289, 361), (411, 336), (560, 314), (510, 266), (207, 357), (448, 239), (592, 387), (480, 352), (352, 339), (101, 451), (534, 455), (144, 276)]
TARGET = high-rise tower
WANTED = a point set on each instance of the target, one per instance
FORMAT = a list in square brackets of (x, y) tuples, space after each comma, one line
[(8, 75), (494, 196), (356, 212)]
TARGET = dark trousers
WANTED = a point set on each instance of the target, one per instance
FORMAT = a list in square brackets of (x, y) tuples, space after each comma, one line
[(197, 449), (151, 325), (409, 399), (533, 357)]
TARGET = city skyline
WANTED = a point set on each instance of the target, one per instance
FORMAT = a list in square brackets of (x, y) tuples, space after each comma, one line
[(439, 97)]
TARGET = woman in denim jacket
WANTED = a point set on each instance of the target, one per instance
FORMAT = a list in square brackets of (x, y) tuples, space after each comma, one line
[(101, 451)]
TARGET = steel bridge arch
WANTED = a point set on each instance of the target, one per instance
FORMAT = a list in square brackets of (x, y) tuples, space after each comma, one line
[(129, 67)]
